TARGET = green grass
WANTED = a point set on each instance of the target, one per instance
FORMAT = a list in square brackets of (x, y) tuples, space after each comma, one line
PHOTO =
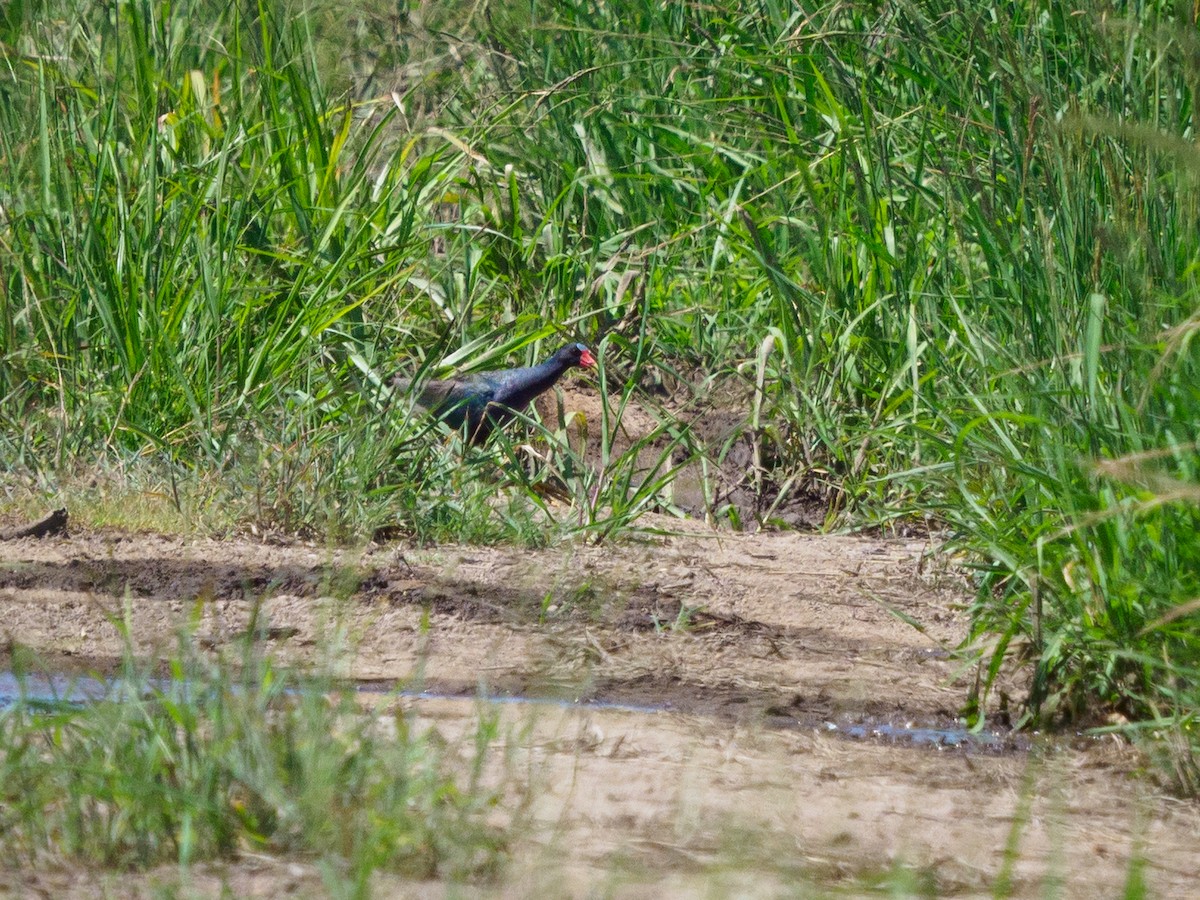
[(952, 250), (232, 756)]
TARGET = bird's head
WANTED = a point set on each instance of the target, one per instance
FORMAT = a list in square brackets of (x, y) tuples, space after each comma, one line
[(577, 355)]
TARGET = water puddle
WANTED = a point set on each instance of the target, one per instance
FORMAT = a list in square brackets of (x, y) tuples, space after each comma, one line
[(42, 689), (953, 736), (49, 690)]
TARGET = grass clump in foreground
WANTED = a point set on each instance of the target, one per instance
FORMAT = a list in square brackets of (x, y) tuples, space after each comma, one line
[(222, 758)]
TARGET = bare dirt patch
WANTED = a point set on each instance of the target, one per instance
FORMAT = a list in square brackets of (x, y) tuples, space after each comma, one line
[(747, 645), (737, 625)]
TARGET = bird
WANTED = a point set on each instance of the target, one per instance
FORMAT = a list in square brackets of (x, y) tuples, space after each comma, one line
[(485, 400)]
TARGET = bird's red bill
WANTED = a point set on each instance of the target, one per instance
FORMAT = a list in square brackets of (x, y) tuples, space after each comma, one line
[(586, 359)]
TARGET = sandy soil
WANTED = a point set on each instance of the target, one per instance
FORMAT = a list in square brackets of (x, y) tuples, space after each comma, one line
[(746, 646)]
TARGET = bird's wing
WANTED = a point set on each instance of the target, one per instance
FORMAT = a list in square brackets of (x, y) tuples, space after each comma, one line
[(443, 394), (477, 391)]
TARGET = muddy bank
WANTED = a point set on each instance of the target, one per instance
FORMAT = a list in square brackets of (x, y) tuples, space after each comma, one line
[(737, 626), (740, 649)]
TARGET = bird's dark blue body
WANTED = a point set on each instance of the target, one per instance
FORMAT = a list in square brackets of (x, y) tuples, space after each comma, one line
[(487, 399)]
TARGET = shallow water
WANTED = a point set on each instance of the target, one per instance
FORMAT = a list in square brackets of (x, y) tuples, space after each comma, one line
[(917, 735), (43, 689)]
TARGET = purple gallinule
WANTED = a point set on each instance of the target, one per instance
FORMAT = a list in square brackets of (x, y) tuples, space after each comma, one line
[(486, 399)]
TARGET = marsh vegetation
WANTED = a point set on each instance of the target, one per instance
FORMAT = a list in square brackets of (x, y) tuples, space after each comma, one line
[(931, 266)]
